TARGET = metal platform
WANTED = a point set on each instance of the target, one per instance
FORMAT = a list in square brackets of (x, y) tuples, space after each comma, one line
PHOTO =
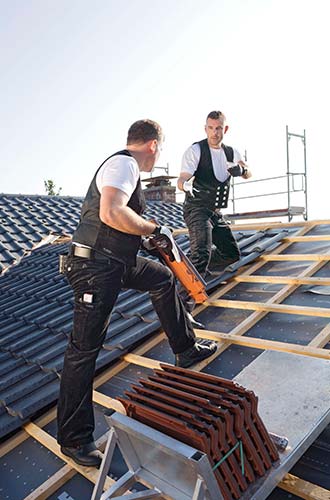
[(170, 468), (294, 400)]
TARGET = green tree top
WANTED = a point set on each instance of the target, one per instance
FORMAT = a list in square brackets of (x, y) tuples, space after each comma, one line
[(51, 188)]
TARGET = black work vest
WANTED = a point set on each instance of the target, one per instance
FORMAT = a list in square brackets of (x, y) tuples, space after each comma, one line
[(208, 191), (92, 232)]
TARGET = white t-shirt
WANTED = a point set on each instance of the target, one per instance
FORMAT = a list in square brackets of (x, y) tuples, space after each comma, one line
[(121, 172), (192, 156)]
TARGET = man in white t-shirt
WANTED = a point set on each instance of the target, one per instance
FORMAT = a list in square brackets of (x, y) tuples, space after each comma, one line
[(207, 167), (103, 260)]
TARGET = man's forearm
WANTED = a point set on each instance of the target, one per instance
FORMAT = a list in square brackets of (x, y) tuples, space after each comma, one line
[(184, 176), (126, 220)]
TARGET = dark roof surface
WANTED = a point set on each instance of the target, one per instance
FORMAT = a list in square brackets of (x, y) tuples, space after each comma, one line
[(36, 305), (36, 317), (25, 220)]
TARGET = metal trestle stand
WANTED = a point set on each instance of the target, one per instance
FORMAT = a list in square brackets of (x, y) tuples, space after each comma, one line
[(169, 468)]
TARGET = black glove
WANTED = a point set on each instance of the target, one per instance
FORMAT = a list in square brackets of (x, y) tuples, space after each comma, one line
[(237, 170)]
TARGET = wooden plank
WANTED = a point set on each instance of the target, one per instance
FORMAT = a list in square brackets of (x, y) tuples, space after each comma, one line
[(283, 280), (266, 225), (52, 484), (271, 345), (295, 257), (108, 402), (272, 225), (322, 338), (142, 361), (321, 312), (320, 237), (21, 435), (303, 489)]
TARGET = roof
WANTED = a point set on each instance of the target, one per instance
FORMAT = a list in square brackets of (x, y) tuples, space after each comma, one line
[(36, 318), (36, 314), (26, 219)]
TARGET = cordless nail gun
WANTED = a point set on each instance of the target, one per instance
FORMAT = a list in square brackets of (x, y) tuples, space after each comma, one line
[(180, 265)]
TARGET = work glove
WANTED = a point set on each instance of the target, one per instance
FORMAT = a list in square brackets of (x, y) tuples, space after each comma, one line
[(162, 237), (188, 186), (149, 247), (237, 170)]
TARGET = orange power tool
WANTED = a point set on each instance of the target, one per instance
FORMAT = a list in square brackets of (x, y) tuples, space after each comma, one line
[(183, 269)]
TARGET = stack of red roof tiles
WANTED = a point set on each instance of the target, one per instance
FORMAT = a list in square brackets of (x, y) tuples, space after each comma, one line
[(212, 414)]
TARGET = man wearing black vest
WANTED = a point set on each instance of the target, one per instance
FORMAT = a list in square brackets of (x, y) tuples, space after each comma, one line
[(104, 260), (207, 167)]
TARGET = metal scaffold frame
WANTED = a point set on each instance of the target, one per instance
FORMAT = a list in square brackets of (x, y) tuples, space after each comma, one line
[(292, 179)]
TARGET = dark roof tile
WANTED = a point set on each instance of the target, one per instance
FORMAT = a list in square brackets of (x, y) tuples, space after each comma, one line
[(30, 218)]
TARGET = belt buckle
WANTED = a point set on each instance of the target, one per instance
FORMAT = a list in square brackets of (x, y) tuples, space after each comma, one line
[(82, 252)]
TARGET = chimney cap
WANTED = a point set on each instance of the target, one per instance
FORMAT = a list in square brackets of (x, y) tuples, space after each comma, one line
[(159, 178)]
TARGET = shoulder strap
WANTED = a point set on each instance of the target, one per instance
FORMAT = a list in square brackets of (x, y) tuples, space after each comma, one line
[(229, 152)]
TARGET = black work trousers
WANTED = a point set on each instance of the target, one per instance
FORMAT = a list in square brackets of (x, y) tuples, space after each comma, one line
[(96, 285), (207, 227)]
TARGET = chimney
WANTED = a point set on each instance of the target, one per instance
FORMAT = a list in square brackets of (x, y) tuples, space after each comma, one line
[(159, 188)]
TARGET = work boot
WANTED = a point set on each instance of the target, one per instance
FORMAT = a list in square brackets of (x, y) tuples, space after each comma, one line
[(219, 267), (86, 454), (194, 322), (201, 341), (194, 354)]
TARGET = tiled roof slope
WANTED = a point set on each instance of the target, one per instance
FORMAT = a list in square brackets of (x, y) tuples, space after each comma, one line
[(36, 317), (35, 320), (25, 220)]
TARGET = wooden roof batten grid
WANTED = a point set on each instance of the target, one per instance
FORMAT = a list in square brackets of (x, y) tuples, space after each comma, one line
[(134, 358), (289, 483)]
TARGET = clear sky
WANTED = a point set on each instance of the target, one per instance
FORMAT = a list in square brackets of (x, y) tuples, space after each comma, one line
[(76, 73)]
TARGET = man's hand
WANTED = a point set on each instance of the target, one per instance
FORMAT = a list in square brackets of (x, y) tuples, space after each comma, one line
[(188, 186), (148, 246), (163, 238)]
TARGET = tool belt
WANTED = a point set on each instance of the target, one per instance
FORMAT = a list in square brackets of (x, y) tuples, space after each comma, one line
[(81, 252), (88, 253)]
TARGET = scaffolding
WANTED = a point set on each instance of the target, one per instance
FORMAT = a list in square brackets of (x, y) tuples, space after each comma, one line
[(295, 182)]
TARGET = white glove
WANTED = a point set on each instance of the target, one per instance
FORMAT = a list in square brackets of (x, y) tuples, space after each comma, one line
[(188, 186), (164, 237)]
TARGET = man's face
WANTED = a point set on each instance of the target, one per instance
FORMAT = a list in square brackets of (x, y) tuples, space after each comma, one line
[(215, 130), (156, 148)]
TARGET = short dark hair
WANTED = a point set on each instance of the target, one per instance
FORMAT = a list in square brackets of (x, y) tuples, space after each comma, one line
[(215, 115), (143, 131)]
